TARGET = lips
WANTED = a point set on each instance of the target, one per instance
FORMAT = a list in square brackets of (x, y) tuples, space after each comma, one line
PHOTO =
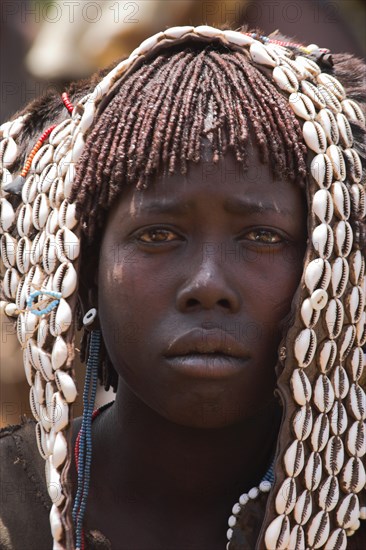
[(206, 342)]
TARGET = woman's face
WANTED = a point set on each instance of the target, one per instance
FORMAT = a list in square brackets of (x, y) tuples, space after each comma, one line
[(195, 275)]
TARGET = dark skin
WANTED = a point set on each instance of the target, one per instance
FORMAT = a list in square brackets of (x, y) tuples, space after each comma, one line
[(176, 450)]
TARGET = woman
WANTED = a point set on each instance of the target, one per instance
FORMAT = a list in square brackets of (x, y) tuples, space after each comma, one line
[(214, 181)]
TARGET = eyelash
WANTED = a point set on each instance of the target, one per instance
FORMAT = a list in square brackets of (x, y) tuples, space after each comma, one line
[(162, 230)]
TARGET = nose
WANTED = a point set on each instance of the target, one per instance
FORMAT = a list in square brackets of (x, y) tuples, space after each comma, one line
[(207, 287)]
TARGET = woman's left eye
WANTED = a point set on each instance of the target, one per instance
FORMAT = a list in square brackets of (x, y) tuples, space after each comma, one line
[(157, 236), (265, 236)]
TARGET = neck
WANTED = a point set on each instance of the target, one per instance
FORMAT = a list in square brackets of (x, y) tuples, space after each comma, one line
[(152, 458)]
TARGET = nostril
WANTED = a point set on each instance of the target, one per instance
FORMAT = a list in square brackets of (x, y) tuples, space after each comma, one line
[(192, 302), (224, 303)]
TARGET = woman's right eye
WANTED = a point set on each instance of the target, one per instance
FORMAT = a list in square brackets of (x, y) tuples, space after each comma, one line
[(149, 236)]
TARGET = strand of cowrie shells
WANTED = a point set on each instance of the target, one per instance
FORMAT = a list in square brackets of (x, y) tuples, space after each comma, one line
[(48, 246)]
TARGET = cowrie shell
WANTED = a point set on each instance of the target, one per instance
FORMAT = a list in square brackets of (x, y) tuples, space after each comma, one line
[(345, 132), (358, 199), (8, 151), (294, 459), (361, 330), (353, 111), (151, 42), (23, 255), (178, 32), (321, 169), (348, 511), (7, 215), (356, 439), (305, 346), (343, 238), (66, 385), (318, 530), (355, 363), (54, 486), (337, 160), (37, 248), (261, 55), (61, 318), (42, 158), (61, 131), (62, 149), (59, 353), (43, 332), (313, 93), (334, 456), (341, 200), (346, 341), (309, 315), (67, 215), (357, 402), (35, 277), (314, 136), (323, 206), (337, 539), (317, 274), (333, 84), (302, 106), (323, 240), (49, 257), (68, 244), (8, 250), (278, 533), (13, 127), (31, 351), (34, 405), (285, 79), (22, 293), (26, 325), (320, 433), (297, 68), (28, 368), (338, 418), (302, 423), (52, 223), (353, 477), (328, 122), (65, 279), (206, 30), (41, 209), (43, 363), (334, 317), (59, 450), (330, 98), (340, 382), (11, 310), (48, 175), (339, 277), (300, 386), (60, 412), (69, 180), (30, 188), (303, 507), (41, 441), (24, 222), (323, 394), (286, 497), (56, 194), (6, 178), (354, 304), (326, 355), (297, 537), (308, 65), (39, 386), (55, 522)]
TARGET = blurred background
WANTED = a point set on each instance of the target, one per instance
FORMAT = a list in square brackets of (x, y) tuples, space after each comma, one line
[(50, 43)]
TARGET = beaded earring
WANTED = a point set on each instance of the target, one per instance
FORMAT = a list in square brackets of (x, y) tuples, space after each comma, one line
[(83, 448)]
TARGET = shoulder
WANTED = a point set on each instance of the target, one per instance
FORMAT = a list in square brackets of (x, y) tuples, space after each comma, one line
[(25, 505)]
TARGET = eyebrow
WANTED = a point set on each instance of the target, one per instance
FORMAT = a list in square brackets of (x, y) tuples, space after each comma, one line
[(234, 206)]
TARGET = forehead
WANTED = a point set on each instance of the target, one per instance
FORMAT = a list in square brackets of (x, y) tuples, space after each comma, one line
[(209, 184)]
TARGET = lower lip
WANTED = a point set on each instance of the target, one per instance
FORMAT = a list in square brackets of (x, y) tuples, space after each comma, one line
[(207, 366)]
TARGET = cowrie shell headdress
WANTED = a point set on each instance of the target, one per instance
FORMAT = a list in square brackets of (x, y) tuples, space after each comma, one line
[(320, 468)]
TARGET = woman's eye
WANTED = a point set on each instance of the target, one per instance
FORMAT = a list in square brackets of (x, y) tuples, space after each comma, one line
[(157, 236), (264, 236)]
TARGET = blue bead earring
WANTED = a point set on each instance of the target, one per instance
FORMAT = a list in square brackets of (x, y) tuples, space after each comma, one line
[(83, 450)]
